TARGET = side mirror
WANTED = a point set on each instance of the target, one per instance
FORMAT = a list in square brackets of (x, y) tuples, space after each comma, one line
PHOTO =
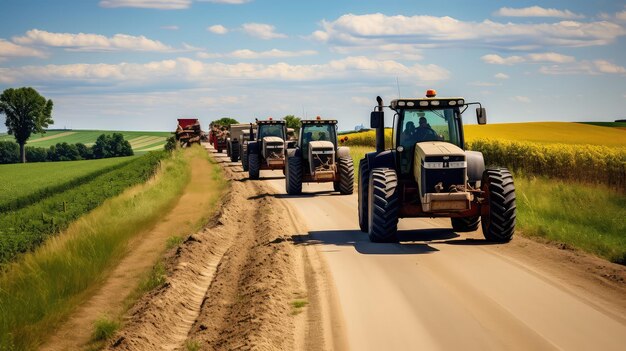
[(481, 115), (377, 119)]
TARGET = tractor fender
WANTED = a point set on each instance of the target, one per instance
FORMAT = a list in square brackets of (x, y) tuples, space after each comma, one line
[(253, 148), (343, 151), (386, 159), (475, 166)]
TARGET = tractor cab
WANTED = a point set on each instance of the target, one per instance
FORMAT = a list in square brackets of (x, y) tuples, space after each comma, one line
[(317, 130), (267, 150)]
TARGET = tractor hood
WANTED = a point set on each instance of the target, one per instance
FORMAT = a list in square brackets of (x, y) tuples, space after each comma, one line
[(438, 148), (272, 140), (321, 144)]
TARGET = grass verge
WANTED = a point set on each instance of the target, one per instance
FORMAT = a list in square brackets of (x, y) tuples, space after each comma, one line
[(42, 288), (585, 216)]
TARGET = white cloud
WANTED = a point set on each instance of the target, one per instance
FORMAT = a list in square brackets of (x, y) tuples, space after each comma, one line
[(575, 68), (551, 57), (501, 76), (262, 31), (217, 29), (608, 67), (170, 27), (621, 16), (536, 11), (9, 49), (429, 31), (188, 70), (523, 99), (148, 4), (251, 54), (91, 42), (493, 59)]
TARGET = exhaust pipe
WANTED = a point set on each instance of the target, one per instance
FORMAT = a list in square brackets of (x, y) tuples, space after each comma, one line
[(380, 130)]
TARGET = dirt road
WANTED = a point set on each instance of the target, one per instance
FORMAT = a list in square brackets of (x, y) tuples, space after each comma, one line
[(267, 252), (438, 290)]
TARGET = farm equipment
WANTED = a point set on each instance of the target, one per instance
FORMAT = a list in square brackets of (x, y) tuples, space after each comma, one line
[(234, 141), (217, 137), (267, 150), (317, 158), (428, 173), (188, 132), (244, 145)]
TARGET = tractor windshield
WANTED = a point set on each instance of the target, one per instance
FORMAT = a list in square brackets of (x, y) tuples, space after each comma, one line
[(415, 126), (276, 130), (317, 132)]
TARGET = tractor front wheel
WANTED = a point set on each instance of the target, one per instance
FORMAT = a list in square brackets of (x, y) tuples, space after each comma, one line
[(383, 205), (244, 161), (499, 222), (234, 154), (346, 175), (254, 166), (465, 224), (293, 178)]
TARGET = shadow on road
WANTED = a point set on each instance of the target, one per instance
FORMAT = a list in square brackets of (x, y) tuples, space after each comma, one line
[(410, 242)]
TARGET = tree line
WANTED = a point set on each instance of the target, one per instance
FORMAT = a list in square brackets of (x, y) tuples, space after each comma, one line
[(107, 145)]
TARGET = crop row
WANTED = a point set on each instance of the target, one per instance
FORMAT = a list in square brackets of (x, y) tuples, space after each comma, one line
[(583, 163), (25, 229)]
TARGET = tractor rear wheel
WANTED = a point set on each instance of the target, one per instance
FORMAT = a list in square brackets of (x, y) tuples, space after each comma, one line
[(465, 224), (499, 222), (294, 176), (383, 205), (228, 152), (244, 161), (346, 175), (254, 165), (234, 154), (364, 178)]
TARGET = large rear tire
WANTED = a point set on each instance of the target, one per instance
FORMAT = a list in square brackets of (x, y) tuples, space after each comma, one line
[(465, 224), (293, 177), (346, 175), (499, 223), (234, 154), (244, 161), (383, 205), (363, 185), (254, 166), (228, 152)]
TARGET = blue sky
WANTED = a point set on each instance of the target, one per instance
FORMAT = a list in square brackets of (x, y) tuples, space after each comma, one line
[(139, 64)]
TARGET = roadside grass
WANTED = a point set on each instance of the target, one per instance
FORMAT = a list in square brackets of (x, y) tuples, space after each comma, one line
[(104, 328), (298, 305), (173, 241), (24, 184), (42, 288), (192, 345), (590, 217)]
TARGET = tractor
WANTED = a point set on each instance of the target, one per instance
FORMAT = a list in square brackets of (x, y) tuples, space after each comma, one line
[(233, 142), (243, 147), (267, 149), (428, 173), (317, 158), (217, 137), (188, 132)]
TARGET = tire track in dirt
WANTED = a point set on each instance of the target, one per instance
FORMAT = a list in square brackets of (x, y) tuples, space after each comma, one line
[(229, 286)]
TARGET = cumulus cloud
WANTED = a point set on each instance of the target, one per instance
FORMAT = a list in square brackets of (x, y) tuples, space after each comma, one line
[(534, 57), (91, 42), (536, 11), (251, 54), (262, 31), (188, 70), (9, 49), (501, 76), (217, 29), (429, 31), (595, 67), (608, 67), (148, 4), (621, 15)]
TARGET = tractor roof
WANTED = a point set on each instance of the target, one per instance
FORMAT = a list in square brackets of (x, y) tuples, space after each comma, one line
[(318, 121), (271, 121), (426, 103)]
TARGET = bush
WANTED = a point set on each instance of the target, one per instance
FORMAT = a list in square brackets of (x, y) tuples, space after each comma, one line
[(9, 152), (170, 144), (84, 151), (66, 152), (36, 154)]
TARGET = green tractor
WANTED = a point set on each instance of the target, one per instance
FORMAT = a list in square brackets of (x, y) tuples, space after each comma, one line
[(428, 173), (317, 158)]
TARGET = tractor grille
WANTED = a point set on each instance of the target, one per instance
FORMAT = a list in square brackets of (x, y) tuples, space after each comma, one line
[(274, 150), (447, 170)]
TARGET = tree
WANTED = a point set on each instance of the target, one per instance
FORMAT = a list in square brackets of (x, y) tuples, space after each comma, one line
[(111, 146), (26, 112), (225, 121), (292, 122)]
